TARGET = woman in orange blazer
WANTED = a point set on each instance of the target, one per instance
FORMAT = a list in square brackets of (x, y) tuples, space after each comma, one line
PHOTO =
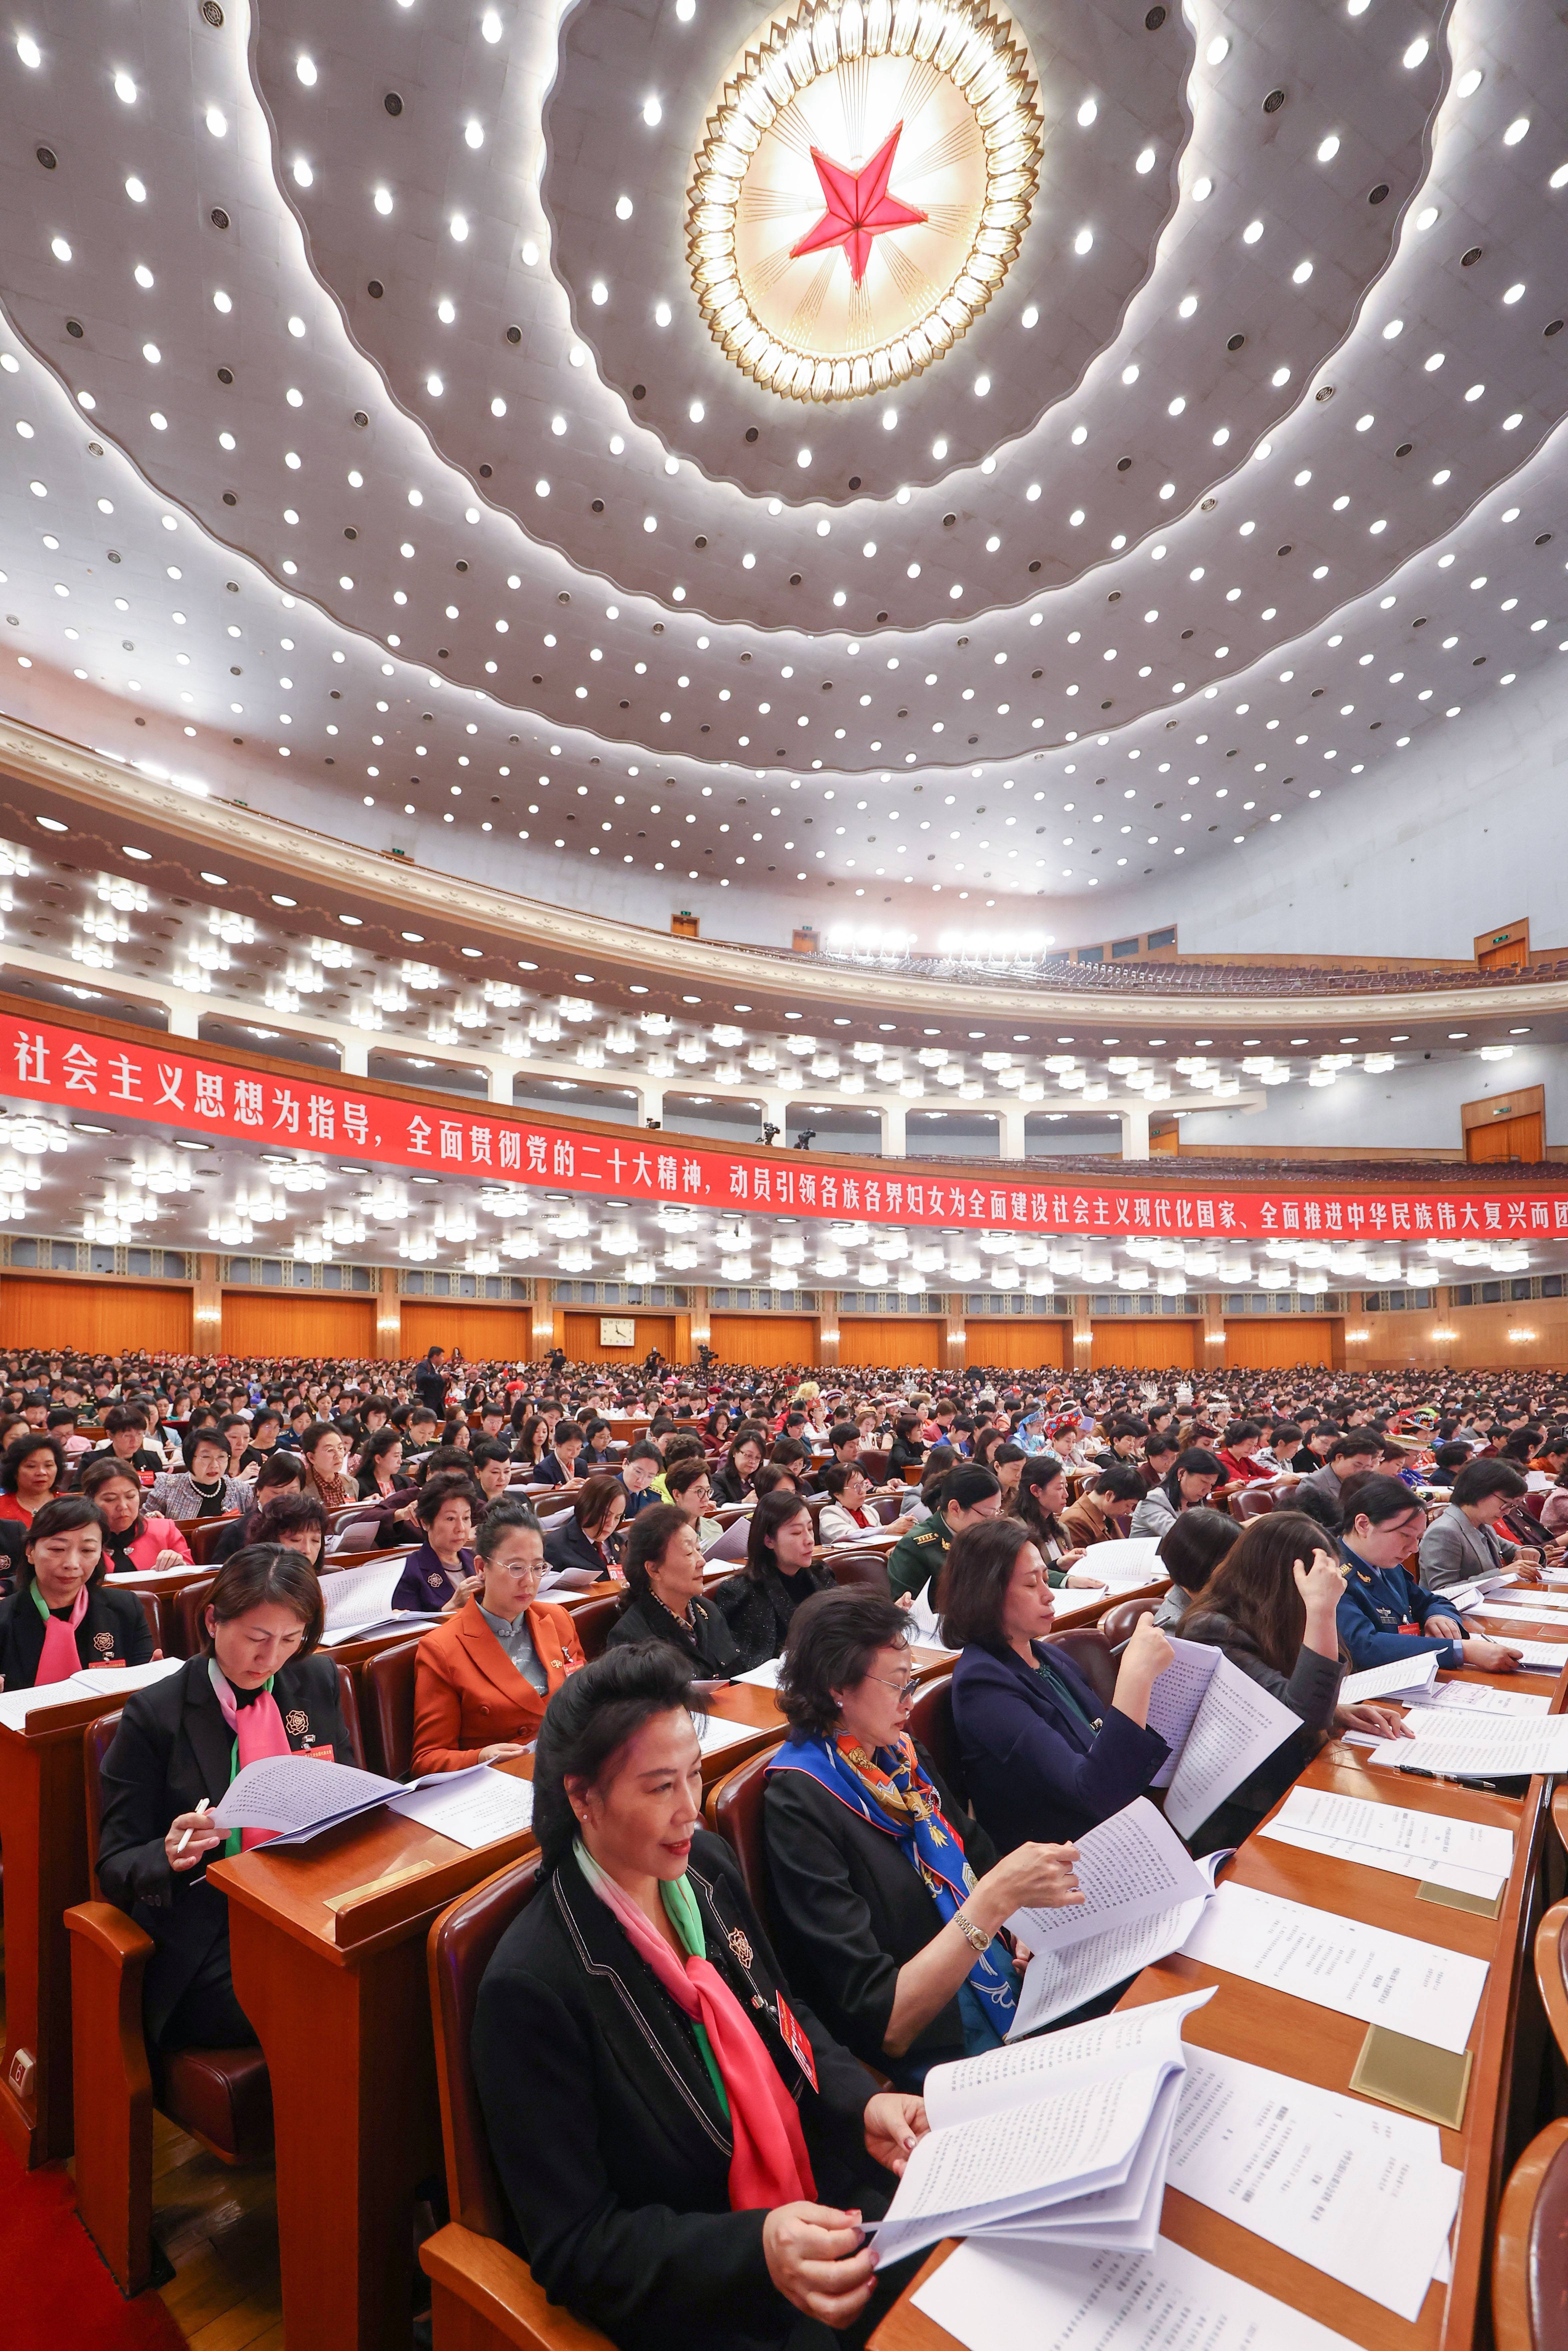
[(485, 1676)]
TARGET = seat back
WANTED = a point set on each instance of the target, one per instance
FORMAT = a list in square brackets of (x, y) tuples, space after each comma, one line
[(204, 1534), (462, 1941), (386, 1679), (348, 1708), (1090, 1651), (1117, 1623), (931, 1727), (592, 1621), (734, 1808), (1535, 1504), (1551, 1956), (1529, 2258), (1252, 1502), (153, 1609), (185, 1632), (860, 1567), (97, 1741)]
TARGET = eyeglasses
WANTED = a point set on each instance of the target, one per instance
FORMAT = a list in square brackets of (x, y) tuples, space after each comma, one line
[(904, 1689)]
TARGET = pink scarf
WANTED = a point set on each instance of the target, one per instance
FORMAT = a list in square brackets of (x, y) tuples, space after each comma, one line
[(59, 1660), (258, 1731), (770, 2164)]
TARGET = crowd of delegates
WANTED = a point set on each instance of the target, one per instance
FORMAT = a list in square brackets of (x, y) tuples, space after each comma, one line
[(639, 2017)]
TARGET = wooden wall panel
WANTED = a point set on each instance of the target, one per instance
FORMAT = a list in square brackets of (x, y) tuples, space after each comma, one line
[(261, 1322), (765, 1338), (1032, 1343), (1276, 1344), (918, 1338), (1508, 1138), (96, 1317), (582, 1338), (1153, 1346), (1475, 1338), (485, 1333)]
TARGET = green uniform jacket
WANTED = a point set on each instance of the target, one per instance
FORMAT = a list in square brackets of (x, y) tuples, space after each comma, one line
[(915, 1557)]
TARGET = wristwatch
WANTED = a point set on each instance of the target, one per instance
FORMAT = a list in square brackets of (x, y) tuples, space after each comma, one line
[(976, 1937)]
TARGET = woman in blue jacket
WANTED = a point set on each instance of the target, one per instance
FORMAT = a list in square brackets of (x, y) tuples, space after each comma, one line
[(1044, 1758), (1386, 1612)]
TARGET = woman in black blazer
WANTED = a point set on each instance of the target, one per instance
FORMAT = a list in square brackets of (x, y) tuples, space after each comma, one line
[(759, 1603), (175, 1746), (630, 2015), (872, 1862), (1043, 1755), (584, 1541), (62, 1615), (665, 1577), (733, 1480)]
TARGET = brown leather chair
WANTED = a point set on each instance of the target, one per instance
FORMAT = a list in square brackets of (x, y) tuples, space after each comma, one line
[(1090, 1651), (1551, 1966), (201, 1534), (386, 1679), (1529, 2259), (153, 1609), (867, 1568), (1117, 1623), (185, 1629), (481, 2293), (1252, 1502), (931, 1726), (734, 1809), (593, 1620)]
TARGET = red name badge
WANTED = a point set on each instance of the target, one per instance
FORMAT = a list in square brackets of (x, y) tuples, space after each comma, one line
[(1409, 1625), (317, 1754), (795, 2040)]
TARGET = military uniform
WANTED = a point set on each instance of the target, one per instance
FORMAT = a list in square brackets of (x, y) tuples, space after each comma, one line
[(918, 1556), (1383, 1613)]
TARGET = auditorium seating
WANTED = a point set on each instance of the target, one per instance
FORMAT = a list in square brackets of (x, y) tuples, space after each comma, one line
[(733, 1808), (1529, 2263), (1119, 1624)]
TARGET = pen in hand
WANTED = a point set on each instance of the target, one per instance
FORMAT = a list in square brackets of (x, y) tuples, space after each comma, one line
[(185, 1839)]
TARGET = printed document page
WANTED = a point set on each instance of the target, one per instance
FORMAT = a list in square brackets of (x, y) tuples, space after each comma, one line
[(295, 1796), (972, 2087), (1129, 1867), (473, 1808), (1414, 1988), (1398, 1679), (1479, 1697), (1238, 1727), (1489, 1746)]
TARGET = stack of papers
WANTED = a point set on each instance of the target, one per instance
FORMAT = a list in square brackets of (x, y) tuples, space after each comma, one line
[(1463, 1596), (297, 1798), (358, 1600), (1361, 2193), (1541, 1607), (715, 1732), (1400, 1680), (1219, 1725), (1367, 1972), (93, 1681), (1481, 1698), (1125, 1564), (1474, 1744), (1540, 1657), (1142, 1895), (1166, 2299), (1061, 2141), (1471, 1856)]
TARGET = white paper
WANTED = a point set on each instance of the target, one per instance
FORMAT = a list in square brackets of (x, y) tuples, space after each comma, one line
[(1414, 1988), (1128, 1868), (1128, 1560), (107, 1681), (1056, 1982), (1481, 1746), (1239, 1726), (17, 1705), (360, 1596), (1506, 1612), (1540, 1657), (972, 2087), (1361, 2193), (1039, 2299), (1399, 1679), (1395, 1829), (1176, 1697), (473, 1808), (1479, 1697), (293, 1796), (762, 1677), (716, 1731), (140, 1575)]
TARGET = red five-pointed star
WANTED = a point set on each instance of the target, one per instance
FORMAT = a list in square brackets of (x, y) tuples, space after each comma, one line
[(859, 206)]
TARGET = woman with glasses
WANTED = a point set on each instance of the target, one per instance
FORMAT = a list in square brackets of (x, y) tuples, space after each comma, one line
[(872, 1862), (851, 1513)]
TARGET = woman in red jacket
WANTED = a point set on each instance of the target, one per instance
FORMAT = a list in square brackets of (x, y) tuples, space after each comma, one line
[(485, 1673), (134, 1540)]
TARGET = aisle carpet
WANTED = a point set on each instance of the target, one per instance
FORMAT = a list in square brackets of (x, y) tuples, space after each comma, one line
[(58, 2295)]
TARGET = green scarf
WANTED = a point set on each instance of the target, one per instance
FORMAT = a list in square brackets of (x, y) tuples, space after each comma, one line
[(1065, 1698)]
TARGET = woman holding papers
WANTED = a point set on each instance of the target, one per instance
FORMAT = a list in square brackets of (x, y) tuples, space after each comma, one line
[(1037, 1501), (1043, 1756), (62, 1615), (759, 1603), (684, 2152), (1185, 1485), (1386, 1612), (872, 1864), (438, 1573), (257, 1690), (1467, 1541), (484, 1677), (584, 1541), (133, 1539), (664, 1573)]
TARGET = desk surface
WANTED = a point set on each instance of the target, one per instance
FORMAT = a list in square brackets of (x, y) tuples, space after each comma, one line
[(1270, 2028)]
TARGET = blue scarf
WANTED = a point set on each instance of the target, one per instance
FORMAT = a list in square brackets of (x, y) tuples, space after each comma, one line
[(888, 1790)]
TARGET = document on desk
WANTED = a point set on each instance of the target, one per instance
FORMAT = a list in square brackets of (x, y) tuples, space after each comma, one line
[(716, 1731), (1538, 1611), (762, 1677), (1367, 1972), (295, 1797), (1219, 1725), (1479, 1746), (1479, 1697), (1143, 1894), (1401, 1679), (1476, 1856), (108, 1681), (992, 2293), (1540, 1657), (474, 1807), (1360, 2192)]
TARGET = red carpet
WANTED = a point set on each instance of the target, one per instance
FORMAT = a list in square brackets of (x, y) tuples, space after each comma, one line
[(58, 2294)]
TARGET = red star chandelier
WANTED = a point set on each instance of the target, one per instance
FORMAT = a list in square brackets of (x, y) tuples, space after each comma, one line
[(820, 278)]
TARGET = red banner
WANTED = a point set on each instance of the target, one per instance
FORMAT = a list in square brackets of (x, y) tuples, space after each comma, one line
[(164, 1087)]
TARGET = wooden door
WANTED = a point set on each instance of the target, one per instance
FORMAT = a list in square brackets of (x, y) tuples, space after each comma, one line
[(894, 1339), (283, 1322), (98, 1317), (764, 1338), (1031, 1343), (486, 1334), (1155, 1346), (1506, 1138), (1276, 1343)]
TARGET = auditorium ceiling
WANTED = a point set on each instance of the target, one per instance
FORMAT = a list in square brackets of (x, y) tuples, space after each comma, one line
[(898, 465)]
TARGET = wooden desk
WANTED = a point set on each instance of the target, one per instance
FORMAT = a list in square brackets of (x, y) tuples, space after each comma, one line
[(341, 2007), (1270, 2028), (43, 1833)]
